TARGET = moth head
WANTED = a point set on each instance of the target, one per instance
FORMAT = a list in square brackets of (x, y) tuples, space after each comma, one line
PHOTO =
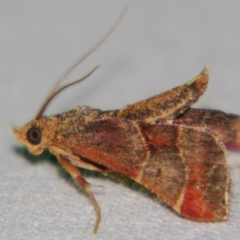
[(38, 133), (32, 136)]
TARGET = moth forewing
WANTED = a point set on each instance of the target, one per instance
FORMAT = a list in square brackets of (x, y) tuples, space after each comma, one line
[(167, 105), (184, 166)]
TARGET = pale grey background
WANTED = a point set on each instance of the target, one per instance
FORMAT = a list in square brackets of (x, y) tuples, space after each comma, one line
[(157, 46)]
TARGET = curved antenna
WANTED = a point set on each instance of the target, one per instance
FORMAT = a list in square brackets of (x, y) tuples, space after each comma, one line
[(82, 58), (55, 90), (49, 99)]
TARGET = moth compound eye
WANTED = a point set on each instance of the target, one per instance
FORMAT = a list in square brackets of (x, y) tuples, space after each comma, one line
[(34, 135)]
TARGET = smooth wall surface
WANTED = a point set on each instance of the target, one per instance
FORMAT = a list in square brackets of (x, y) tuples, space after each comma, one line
[(158, 45)]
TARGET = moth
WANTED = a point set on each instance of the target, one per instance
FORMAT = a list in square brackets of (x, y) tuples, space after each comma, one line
[(175, 151)]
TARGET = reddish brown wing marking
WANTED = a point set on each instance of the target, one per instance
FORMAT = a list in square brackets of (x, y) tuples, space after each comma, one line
[(184, 166), (114, 144), (226, 127)]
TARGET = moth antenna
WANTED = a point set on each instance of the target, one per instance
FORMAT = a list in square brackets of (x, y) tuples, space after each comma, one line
[(49, 99), (82, 58), (55, 90)]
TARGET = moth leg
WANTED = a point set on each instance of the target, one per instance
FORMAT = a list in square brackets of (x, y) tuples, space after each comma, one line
[(76, 175), (77, 161)]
